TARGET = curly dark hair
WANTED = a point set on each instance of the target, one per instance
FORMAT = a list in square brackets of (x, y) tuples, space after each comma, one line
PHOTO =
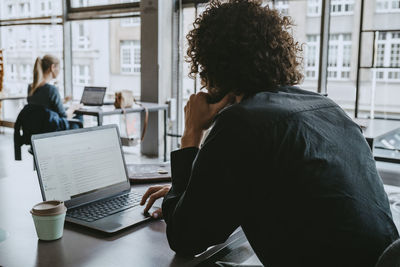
[(241, 47)]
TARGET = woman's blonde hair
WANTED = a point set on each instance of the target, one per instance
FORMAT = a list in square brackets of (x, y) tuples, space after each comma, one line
[(42, 65)]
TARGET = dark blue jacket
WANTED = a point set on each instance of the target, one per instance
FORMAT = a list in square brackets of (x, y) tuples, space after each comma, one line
[(48, 96), (35, 119)]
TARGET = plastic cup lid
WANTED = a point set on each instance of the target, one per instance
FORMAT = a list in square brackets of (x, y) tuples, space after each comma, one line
[(49, 208)]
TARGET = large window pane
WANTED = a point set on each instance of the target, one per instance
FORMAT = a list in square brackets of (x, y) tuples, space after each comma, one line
[(342, 53), (21, 46), (110, 57), (379, 87)]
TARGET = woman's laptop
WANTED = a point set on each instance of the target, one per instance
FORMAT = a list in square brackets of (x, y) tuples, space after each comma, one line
[(93, 96), (86, 169)]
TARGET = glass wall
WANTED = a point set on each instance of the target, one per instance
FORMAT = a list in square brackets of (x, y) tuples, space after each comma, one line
[(22, 44), (110, 57), (380, 75)]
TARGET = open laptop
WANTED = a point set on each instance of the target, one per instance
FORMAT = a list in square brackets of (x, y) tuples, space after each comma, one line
[(86, 169), (93, 96)]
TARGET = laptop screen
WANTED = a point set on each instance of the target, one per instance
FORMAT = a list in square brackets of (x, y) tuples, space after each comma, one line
[(71, 165), (93, 96)]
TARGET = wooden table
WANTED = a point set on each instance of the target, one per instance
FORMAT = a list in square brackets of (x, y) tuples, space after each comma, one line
[(144, 246)]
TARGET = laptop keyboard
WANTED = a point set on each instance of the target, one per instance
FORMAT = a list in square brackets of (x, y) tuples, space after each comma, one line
[(104, 208)]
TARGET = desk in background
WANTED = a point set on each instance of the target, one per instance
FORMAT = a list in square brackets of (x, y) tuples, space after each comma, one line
[(108, 110), (375, 131), (375, 128), (145, 245)]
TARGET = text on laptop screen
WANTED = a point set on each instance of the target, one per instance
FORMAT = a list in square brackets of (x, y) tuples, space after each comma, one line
[(77, 163), (93, 95)]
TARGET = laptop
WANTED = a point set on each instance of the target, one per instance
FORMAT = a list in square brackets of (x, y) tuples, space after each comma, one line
[(93, 96), (86, 169)]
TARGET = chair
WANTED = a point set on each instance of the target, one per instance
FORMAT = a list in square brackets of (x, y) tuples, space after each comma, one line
[(390, 257), (36, 119)]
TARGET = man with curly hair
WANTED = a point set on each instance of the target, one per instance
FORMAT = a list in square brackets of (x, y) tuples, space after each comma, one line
[(287, 165)]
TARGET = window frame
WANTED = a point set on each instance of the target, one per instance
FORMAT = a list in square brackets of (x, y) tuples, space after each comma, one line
[(133, 48), (385, 70)]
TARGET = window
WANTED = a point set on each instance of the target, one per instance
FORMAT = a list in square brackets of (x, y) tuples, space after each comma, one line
[(26, 72), (81, 75), (342, 7), (47, 41), (80, 3), (130, 57), (25, 40), (388, 55), (112, 56), (384, 6), (46, 8), (11, 45), (83, 38), (130, 22), (312, 56), (314, 8), (339, 56), (282, 6), (25, 9), (22, 45), (12, 70), (10, 11)]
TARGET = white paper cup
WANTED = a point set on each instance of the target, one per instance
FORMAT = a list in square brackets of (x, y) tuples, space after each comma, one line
[(49, 217)]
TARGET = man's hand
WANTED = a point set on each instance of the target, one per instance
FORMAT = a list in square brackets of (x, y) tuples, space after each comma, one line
[(154, 193), (199, 115)]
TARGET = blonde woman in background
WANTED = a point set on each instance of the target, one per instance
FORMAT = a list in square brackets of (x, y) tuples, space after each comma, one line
[(41, 92)]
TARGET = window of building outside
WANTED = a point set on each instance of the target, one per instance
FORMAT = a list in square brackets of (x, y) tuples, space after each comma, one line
[(26, 72), (384, 6), (314, 8), (24, 9), (337, 8), (130, 57), (388, 55), (282, 6), (342, 7), (312, 56), (46, 8), (81, 75), (130, 22), (339, 56)]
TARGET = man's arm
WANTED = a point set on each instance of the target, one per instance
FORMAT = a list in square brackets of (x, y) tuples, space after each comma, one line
[(205, 205)]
